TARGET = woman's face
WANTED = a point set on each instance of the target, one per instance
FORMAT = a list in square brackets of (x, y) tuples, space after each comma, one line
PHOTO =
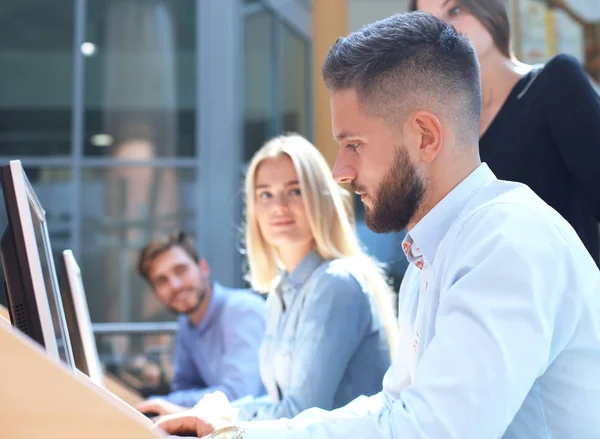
[(279, 206), (453, 13)]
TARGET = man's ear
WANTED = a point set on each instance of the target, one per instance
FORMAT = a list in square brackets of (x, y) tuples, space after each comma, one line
[(431, 133), (204, 268)]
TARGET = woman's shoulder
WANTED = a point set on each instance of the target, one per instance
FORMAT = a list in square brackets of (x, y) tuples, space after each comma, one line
[(561, 72), (341, 273), (555, 84), (561, 65)]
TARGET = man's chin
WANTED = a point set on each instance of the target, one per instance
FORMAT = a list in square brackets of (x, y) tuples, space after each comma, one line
[(185, 311), (380, 225), (192, 309)]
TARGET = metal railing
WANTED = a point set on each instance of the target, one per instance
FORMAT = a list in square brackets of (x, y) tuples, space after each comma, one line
[(134, 328)]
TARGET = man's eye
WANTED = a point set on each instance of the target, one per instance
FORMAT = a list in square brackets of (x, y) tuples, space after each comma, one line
[(353, 146)]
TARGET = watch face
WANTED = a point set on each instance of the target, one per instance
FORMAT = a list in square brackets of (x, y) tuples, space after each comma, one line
[(228, 433)]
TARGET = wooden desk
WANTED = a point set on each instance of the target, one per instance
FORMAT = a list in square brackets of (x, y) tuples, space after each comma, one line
[(4, 313), (40, 397), (121, 390)]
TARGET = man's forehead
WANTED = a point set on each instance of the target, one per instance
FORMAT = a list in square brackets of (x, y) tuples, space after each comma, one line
[(344, 109), (350, 120), (344, 96), (171, 256)]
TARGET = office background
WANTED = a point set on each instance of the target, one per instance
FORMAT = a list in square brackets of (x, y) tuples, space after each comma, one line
[(137, 116)]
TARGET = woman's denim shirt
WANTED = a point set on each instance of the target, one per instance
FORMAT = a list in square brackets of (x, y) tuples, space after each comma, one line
[(324, 343)]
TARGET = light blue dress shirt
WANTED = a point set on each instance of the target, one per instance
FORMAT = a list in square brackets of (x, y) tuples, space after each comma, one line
[(500, 329), (221, 353), (324, 344)]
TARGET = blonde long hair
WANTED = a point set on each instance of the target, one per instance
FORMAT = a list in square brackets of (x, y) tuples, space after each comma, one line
[(328, 210)]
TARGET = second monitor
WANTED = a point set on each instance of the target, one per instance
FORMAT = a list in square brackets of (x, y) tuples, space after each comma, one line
[(79, 323)]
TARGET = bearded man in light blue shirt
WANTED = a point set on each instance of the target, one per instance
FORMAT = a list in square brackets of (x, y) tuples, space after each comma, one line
[(499, 310)]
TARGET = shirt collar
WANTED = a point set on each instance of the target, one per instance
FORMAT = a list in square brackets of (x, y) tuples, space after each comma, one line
[(292, 282), (423, 240), (216, 299)]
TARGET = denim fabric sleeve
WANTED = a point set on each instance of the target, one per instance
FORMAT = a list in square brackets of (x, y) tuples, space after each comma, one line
[(243, 333), (334, 318)]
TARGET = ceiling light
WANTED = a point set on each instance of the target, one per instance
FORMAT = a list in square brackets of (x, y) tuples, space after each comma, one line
[(88, 49), (103, 140)]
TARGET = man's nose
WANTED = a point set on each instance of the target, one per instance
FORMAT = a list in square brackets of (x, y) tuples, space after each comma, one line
[(175, 283), (343, 172)]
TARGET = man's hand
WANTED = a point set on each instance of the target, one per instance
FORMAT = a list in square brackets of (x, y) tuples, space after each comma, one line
[(190, 423), (160, 407)]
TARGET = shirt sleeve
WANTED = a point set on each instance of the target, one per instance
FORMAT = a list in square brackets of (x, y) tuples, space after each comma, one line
[(243, 332), (333, 321), (185, 374), (495, 333), (574, 120)]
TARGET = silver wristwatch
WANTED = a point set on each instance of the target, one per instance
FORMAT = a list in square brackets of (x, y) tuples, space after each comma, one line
[(233, 432)]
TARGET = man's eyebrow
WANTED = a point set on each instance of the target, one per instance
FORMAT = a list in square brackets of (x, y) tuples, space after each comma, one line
[(344, 135)]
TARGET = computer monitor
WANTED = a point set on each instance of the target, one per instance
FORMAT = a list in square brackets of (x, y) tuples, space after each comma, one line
[(31, 284), (79, 323)]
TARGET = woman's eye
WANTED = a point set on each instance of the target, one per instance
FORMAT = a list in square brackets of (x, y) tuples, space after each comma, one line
[(264, 195), (454, 11), (296, 192)]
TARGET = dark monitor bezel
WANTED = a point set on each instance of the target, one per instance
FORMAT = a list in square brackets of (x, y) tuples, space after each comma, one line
[(25, 285)]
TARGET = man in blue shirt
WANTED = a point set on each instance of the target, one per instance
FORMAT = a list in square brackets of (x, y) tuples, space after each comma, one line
[(499, 310), (220, 329)]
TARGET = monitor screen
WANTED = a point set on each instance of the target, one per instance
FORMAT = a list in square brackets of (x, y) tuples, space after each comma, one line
[(79, 323), (32, 290)]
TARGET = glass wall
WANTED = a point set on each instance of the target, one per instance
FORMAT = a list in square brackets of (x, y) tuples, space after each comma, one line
[(139, 105), (139, 79), (276, 77), (294, 81), (35, 110), (134, 117), (260, 89), (123, 117)]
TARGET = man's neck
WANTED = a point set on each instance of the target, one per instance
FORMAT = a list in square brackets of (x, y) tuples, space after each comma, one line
[(196, 316), (444, 182)]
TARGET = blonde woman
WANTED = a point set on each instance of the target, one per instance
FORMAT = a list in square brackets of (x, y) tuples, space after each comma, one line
[(330, 319)]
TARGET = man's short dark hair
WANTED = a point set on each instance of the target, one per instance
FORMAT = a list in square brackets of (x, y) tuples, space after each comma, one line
[(160, 245), (410, 61)]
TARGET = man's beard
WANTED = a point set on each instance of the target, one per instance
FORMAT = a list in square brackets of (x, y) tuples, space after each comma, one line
[(397, 198), (201, 295)]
